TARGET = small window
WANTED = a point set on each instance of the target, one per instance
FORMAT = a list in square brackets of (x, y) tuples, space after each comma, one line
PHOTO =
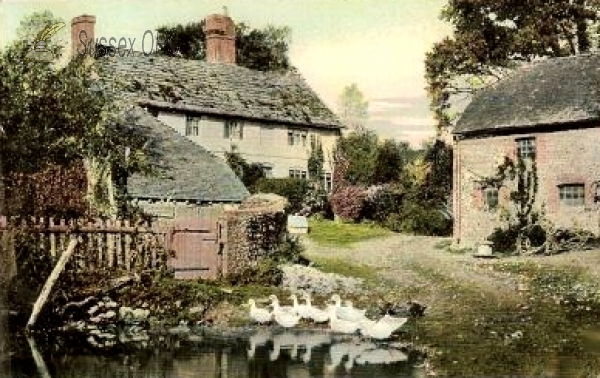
[(297, 137), (267, 170), (572, 194), (526, 148), (490, 195), (192, 126), (298, 174), (233, 129), (327, 181)]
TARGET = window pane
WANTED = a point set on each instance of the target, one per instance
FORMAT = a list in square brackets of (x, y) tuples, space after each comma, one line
[(290, 138), (572, 194)]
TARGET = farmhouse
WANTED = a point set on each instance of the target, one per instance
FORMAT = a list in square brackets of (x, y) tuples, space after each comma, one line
[(268, 118), (548, 111)]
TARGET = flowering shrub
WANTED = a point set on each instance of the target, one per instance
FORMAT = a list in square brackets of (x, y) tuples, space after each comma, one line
[(382, 200), (348, 202)]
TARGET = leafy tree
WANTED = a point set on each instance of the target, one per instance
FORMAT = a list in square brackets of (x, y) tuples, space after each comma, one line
[(437, 186), (353, 108), (359, 152), (389, 162), (259, 49), (54, 115), (491, 37)]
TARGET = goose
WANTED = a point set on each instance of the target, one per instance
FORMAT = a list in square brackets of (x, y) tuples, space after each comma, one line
[(284, 341), (274, 300), (381, 329), (300, 309), (347, 313), (315, 314), (259, 315), (286, 319), (341, 325)]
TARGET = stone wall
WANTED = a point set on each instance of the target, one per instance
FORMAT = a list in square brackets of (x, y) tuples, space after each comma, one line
[(563, 157), (251, 236)]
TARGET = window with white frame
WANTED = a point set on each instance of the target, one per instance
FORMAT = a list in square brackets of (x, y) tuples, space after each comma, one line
[(233, 129), (297, 137), (526, 148), (572, 194), (298, 174), (192, 125)]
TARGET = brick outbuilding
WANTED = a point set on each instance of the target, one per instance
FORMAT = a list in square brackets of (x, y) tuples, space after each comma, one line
[(549, 110)]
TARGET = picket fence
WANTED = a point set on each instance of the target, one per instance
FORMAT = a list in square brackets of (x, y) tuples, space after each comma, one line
[(118, 245)]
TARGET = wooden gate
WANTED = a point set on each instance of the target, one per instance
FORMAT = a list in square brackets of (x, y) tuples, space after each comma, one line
[(198, 248)]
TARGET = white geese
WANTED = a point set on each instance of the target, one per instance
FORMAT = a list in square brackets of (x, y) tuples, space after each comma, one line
[(347, 312), (315, 314), (284, 316), (259, 315), (381, 329), (300, 309), (340, 325)]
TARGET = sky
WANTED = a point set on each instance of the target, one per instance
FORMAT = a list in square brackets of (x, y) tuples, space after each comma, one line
[(378, 44)]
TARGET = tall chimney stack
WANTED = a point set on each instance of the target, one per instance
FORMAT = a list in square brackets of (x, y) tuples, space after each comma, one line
[(220, 39), (82, 29)]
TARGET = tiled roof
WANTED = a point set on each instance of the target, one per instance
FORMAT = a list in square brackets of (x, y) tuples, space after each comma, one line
[(220, 89), (188, 171), (551, 92)]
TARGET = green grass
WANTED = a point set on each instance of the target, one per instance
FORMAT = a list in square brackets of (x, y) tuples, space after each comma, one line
[(345, 268), (343, 234)]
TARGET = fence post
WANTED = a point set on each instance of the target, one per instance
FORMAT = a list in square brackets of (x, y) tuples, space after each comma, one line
[(60, 266)]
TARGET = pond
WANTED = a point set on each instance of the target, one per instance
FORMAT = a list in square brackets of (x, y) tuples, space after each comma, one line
[(262, 353)]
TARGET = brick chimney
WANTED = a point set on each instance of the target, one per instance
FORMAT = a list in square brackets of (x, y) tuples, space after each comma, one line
[(79, 23), (220, 39)]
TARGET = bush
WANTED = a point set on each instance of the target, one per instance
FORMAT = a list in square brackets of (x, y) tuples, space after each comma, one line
[(381, 201), (348, 202), (293, 189), (416, 218), (504, 240)]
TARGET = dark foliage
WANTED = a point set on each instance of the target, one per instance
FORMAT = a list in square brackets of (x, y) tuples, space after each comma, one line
[(259, 49), (293, 189), (248, 173)]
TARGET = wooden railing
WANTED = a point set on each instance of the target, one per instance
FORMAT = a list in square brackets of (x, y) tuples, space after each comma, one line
[(118, 245)]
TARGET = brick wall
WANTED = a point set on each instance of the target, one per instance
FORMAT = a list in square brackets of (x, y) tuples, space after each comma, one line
[(563, 157)]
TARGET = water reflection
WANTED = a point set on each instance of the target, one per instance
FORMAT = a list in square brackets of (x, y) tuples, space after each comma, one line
[(263, 354)]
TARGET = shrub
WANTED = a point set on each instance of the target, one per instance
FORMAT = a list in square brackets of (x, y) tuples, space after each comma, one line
[(293, 189), (416, 218), (381, 201), (504, 240), (348, 202)]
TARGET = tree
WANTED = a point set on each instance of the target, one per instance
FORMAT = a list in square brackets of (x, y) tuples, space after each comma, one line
[(259, 49), (358, 151), (54, 115), (353, 108), (492, 37)]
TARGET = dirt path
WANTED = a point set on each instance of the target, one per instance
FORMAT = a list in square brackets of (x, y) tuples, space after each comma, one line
[(419, 264), (418, 261)]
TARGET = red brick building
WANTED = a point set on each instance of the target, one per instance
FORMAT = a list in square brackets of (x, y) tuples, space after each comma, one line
[(549, 110)]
